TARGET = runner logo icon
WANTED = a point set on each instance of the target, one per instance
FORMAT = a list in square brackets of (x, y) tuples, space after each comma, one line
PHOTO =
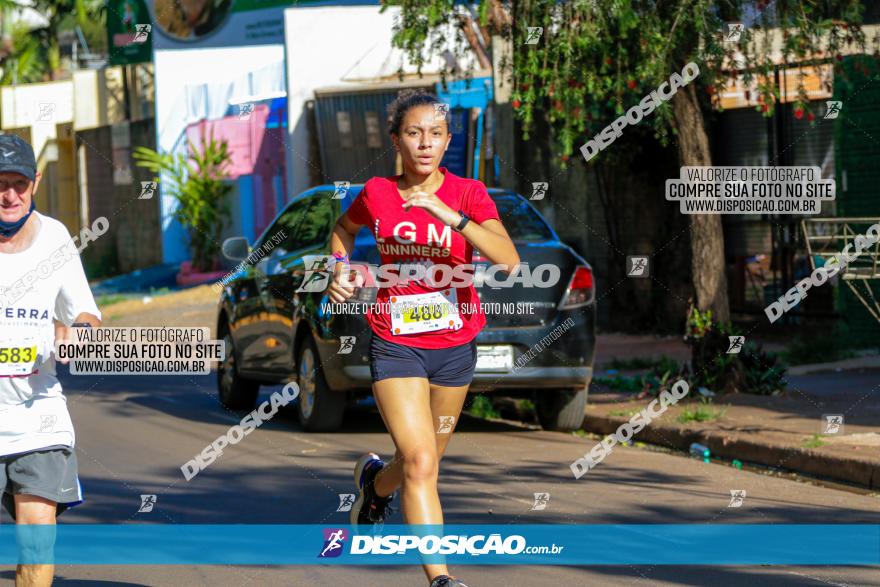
[(333, 541), (346, 345), (346, 500), (47, 423), (736, 343), (341, 189), (148, 501)]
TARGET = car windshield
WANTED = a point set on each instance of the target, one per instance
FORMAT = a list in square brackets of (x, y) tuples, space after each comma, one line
[(521, 220)]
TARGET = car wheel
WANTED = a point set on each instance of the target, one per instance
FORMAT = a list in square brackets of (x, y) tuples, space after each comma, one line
[(319, 408), (235, 392), (561, 409)]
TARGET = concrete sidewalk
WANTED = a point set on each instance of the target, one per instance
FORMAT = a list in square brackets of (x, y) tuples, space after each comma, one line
[(785, 432)]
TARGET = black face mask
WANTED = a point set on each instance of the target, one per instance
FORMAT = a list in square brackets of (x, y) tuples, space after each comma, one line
[(9, 229)]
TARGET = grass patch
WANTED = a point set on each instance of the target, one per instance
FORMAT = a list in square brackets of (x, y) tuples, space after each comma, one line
[(526, 405), (625, 413), (482, 407), (814, 441), (109, 299), (699, 413)]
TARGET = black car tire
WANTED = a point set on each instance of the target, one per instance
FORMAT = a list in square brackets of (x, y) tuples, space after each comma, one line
[(234, 391), (561, 409), (319, 408)]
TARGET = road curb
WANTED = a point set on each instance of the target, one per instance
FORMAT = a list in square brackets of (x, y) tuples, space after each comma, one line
[(727, 445)]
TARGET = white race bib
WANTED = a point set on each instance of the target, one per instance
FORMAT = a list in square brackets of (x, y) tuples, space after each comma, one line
[(18, 353), (425, 312)]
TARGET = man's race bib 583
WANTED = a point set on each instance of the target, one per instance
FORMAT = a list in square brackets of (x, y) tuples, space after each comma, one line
[(17, 357)]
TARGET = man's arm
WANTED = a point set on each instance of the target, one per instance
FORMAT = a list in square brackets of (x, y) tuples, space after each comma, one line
[(87, 318)]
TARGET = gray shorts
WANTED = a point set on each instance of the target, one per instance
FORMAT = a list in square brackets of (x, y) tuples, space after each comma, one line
[(50, 473)]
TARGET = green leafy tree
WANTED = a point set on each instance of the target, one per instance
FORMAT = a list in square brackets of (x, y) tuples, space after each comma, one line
[(197, 180), (33, 54), (595, 59)]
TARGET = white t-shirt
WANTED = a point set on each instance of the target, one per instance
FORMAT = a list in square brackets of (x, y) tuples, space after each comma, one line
[(44, 282)]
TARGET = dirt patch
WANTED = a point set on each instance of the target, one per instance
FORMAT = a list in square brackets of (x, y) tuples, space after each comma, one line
[(192, 307)]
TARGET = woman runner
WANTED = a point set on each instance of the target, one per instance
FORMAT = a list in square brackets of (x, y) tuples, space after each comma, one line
[(423, 357)]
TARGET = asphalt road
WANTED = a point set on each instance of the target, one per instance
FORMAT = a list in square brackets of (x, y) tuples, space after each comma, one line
[(134, 433)]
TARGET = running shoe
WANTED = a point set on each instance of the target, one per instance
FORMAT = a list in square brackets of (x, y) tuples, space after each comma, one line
[(446, 581), (369, 509)]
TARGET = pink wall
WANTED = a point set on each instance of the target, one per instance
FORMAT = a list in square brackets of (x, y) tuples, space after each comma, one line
[(255, 150)]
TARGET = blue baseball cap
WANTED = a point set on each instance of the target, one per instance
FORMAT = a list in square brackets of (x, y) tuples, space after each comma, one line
[(17, 156)]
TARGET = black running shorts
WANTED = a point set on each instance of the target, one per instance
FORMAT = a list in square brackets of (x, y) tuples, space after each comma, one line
[(452, 367)]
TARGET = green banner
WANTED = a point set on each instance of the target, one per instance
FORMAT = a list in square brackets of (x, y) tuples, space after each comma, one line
[(129, 34)]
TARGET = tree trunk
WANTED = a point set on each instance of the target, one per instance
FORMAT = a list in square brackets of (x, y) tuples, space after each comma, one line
[(707, 237)]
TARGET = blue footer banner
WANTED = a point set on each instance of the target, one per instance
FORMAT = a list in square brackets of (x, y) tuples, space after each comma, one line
[(564, 544)]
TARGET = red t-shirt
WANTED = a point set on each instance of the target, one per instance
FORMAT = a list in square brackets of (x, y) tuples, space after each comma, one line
[(402, 237)]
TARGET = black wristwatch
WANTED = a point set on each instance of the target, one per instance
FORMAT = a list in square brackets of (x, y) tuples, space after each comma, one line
[(80, 325), (462, 223)]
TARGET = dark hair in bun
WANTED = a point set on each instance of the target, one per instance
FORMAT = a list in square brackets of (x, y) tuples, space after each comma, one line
[(406, 101)]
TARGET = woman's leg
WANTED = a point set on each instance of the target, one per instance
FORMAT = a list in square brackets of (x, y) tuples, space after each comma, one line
[(445, 401), (407, 406)]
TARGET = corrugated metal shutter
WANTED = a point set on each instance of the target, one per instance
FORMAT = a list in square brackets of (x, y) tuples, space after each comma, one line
[(353, 136), (743, 139)]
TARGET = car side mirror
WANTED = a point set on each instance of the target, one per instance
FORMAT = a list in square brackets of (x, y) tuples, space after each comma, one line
[(235, 248)]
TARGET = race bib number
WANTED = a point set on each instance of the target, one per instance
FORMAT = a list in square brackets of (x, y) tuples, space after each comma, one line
[(425, 312), (17, 359)]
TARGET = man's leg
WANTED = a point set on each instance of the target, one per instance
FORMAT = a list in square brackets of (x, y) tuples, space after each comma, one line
[(30, 509)]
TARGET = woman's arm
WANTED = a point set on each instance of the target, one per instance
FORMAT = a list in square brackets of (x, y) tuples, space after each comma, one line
[(342, 243), (490, 237), (493, 242)]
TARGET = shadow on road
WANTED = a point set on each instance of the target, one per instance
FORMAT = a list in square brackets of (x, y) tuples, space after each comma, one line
[(60, 580)]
